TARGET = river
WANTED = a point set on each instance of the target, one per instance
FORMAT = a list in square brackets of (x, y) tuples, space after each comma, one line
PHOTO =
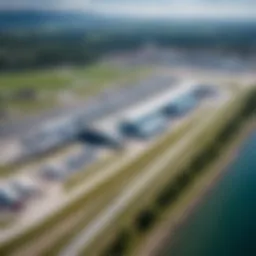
[(224, 223)]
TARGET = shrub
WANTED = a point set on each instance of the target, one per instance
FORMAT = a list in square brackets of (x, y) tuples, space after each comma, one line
[(120, 244), (145, 220)]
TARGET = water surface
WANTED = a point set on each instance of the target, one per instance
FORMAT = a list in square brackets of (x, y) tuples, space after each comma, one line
[(224, 224)]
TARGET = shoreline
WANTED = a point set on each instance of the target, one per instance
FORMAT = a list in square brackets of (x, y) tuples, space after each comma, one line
[(173, 218)]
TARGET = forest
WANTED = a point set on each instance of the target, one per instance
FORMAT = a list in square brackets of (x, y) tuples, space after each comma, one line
[(83, 40)]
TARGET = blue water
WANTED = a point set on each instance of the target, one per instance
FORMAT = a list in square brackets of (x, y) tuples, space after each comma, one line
[(224, 224)]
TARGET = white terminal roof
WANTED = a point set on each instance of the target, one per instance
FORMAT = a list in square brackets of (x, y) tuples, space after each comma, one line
[(157, 102), (110, 124)]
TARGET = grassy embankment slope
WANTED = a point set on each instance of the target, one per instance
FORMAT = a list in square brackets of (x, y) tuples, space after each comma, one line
[(173, 217), (173, 213), (144, 200)]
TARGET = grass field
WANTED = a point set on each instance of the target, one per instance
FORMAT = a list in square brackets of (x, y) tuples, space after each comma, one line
[(82, 81), (53, 79), (94, 75)]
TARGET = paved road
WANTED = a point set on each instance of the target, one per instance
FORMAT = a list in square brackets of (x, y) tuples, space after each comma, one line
[(107, 217)]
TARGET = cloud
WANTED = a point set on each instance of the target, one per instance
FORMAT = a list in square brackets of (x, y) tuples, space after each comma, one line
[(245, 9), (178, 9), (44, 4)]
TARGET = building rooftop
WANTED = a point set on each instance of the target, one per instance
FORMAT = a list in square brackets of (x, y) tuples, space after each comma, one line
[(110, 125), (157, 102)]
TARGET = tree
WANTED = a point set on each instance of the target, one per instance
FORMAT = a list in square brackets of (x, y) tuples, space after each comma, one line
[(145, 220), (120, 244), (167, 196), (183, 180)]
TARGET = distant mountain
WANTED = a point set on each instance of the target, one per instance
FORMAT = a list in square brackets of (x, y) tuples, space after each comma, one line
[(48, 21), (12, 20), (25, 20), (34, 39)]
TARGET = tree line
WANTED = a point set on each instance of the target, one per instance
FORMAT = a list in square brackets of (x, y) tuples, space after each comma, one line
[(38, 50)]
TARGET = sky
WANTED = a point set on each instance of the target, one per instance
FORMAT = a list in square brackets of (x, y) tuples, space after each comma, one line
[(145, 8)]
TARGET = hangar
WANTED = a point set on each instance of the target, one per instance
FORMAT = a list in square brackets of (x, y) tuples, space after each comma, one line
[(149, 119), (112, 131), (181, 105), (144, 127), (188, 100)]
